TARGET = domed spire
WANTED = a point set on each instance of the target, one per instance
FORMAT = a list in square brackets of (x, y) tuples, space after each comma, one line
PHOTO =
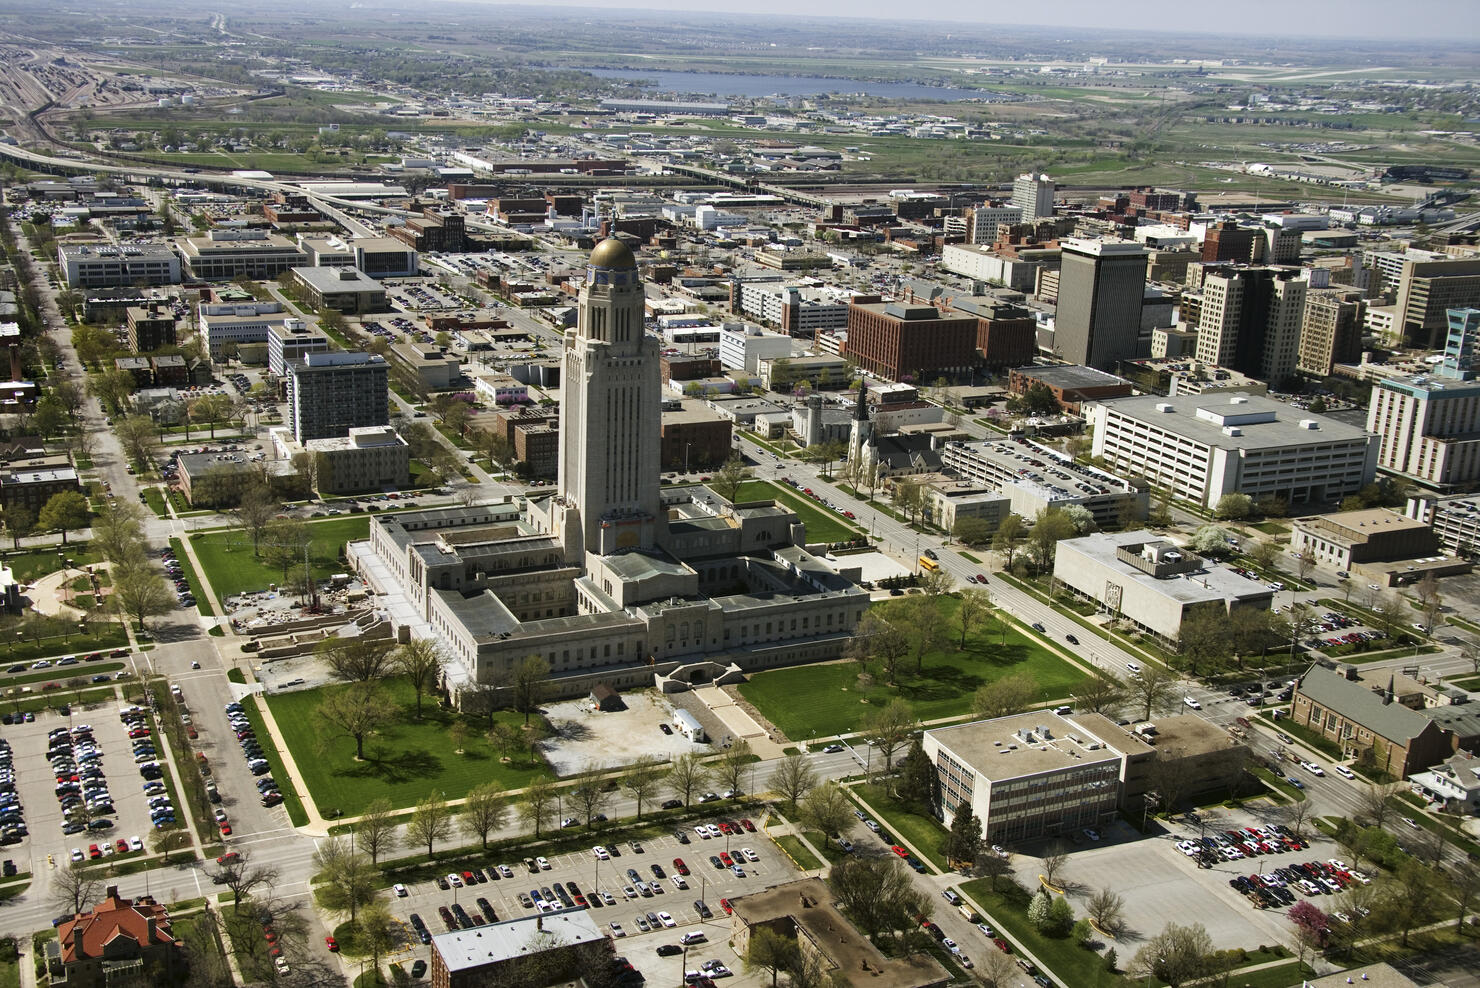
[(612, 254)]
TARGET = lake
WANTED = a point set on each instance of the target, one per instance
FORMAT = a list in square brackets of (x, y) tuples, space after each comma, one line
[(760, 86)]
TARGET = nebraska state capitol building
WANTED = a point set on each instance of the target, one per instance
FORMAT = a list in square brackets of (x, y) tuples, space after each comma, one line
[(609, 577)]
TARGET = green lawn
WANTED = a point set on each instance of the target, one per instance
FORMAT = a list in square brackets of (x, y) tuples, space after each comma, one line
[(31, 564), (227, 556), (924, 832), (102, 634), (202, 602), (403, 762), (824, 700), (10, 973), (1070, 964), (822, 525), (800, 856), (292, 801), (155, 500)]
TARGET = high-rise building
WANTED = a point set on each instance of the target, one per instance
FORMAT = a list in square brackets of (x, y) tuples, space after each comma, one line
[(331, 393), (1427, 290), (610, 447), (1230, 242), (985, 219), (1332, 332), (1250, 320), (1427, 424), (1033, 194), (1101, 285)]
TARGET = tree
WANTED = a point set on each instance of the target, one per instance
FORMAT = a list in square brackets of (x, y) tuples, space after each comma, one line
[(1305, 563), (1204, 638), (964, 842), (539, 802), (313, 468), (420, 661), (729, 769), (139, 437), (166, 842), (1081, 518), (112, 387), (998, 969), (1060, 917), (457, 733), (1311, 926), (117, 533), (348, 879), (1152, 690), (971, 531), (976, 603), (430, 822), (729, 478), (484, 812), (875, 637), (1011, 694), (641, 780), (254, 509), (1107, 909), (1038, 908), (1377, 801), (1101, 693), (1054, 861), (1234, 507), (1264, 553), (1006, 540), (1427, 588), (375, 831), (1176, 955), (211, 409), (771, 952), (827, 809), (1050, 526), (915, 785), (64, 511), (1464, 883), (19, 520), (792, 778), (139, 591), (377, 931), (1391, 614), (1210, 540), (356, 660), (242, 877), (918, 619), (889, 728), (936, 582), (531, 678), (355, 711), (73, 889), (993, 866), (878, 894), (286, 544), (1408, 898), (685, 776)]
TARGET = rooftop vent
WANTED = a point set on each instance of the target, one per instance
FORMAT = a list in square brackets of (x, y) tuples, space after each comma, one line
[(1310, 424), (1238, 400), (1164, 406)]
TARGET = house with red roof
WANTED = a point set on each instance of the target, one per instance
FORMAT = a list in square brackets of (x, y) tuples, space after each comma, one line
[(119, 942)]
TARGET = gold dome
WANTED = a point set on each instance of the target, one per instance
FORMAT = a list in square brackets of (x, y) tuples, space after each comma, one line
[(613, 255)]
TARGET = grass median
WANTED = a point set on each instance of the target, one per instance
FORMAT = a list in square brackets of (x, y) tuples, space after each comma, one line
[(922, 832), (292, 802), (203, 602), (1006, 908)]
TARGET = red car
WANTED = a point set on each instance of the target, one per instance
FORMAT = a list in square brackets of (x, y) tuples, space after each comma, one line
[(121, 846), (748, 825), (725, 905), (680, 867), (1002, 945), (900, 851), (332, 944), (225, 829), (228, 857), (725, 857)]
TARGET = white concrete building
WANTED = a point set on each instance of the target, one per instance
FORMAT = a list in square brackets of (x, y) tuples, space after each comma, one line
[(113, 266), (1207, 446), (743, 347)]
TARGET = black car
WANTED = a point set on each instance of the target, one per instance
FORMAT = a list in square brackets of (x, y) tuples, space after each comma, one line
[(669, 949), (672, 804), (420, 967)]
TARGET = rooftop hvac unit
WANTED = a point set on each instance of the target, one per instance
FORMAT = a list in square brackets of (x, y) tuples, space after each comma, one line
[(1164, 406), (1310, 424)]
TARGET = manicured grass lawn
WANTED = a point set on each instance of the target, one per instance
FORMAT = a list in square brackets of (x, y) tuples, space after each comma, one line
[(923, 832), (155, 500), (822, 525), (824, 700), (1070, 964), (404, 762), (10, 973), (803, 858), (102, 635), (232, 569), (29, 565), (54, 674)]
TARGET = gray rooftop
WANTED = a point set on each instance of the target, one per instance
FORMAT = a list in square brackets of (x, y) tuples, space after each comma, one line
[(1209, 583), (514, 938), (997, 750), (1070, 376), (1361, 704), (1260, 422)]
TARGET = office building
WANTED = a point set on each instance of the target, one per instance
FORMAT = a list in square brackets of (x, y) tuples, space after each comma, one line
[(1428, 289), (1250, 320), (1017, 269), (1101, 286), (222, 255), (1071, 384), (1206, 446), (983, 221), (229, 328), (610, 577), (1033, 477), (1033, 195), (373, 458), (549, 948), (1429, 424), (384, 257), (344, 289), (695, 438), (1376, 545), (1006, 332), (1229, 242), (1331, 333), (331, 393), (433, 368), (118, 266), (291, 340), (797, 310), (150, 327), (899, 339), (1139, 577), (742, 347)]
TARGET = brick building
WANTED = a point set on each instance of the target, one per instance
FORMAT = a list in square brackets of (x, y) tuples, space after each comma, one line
[(1071, 384), (150, 327), (1360, 718), (898, 339), (695, 439), (117, 942)]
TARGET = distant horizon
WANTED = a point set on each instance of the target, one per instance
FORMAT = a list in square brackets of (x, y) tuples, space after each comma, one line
[(1455, 22)]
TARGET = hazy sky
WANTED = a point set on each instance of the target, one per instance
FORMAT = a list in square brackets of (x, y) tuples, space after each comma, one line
[(1451, 20)]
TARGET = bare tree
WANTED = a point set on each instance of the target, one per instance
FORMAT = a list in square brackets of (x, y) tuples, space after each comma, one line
[(729, 769), (1011, 694), (375, 831), (827, 809), (685, 776), (641, 780), (1101, 693), (73, 889), (356, 660), (1377, 801), (976, 603), (1107, 909), (356, 711), (484, 812), (792, 779), (1054, 862), (540, 799), (1152, 690), (888, 729), (243, 877), (589, 797), (430, 822), (420, 661)]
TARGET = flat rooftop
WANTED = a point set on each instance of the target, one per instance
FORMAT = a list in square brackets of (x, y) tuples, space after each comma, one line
[(1001, 748), (1210, 582), (514, 938), (1236, 421), (1072, 376)]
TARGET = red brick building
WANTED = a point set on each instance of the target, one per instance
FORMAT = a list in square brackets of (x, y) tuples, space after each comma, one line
[(1071, 384), (695, 440), (118, 941), (1229, 242), (899, 340)]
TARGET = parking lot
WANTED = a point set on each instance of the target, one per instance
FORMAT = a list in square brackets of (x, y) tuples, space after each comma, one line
[(591, 875), (37, 785), (1158, 880)]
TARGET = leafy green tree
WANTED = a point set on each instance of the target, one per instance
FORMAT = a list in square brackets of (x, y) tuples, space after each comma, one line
[(64, 511), (1011, 694), (964, 842), (1050, 527), (972, 531), (1234, 507)]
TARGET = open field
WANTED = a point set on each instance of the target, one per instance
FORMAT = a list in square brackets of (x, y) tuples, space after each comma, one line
[(404, 761), (822, 525), (824, 700), (227, 558)]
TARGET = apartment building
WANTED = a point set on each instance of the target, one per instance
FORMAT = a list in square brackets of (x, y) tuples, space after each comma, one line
[(232, 325), (289, 341), (331, 393), (1032, 194), (1202, 447), (371, 458), (1331, 332), (742, 347), (1250, 320), (797, 310), (982, 222), (1427, 424), (150, 327), (118, 266)]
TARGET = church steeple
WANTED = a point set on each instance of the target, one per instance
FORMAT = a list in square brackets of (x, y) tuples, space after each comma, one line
[(860, 410)]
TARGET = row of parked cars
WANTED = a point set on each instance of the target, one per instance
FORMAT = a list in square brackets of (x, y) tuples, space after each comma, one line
[(256, 758), (137, 721), (816, 497), (1235, 845), (81, 788), (176, 575), (1273, 889), (12, 816)]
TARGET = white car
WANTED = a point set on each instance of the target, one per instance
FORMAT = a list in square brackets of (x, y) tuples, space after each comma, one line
[(1345, 772), (544, 863), (749, 854), (1314, 769), (455, 880), (400, 890), (617, 930), (602, 854), (1133, 668), (666, 920), (1192, 703), (679, 882)]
